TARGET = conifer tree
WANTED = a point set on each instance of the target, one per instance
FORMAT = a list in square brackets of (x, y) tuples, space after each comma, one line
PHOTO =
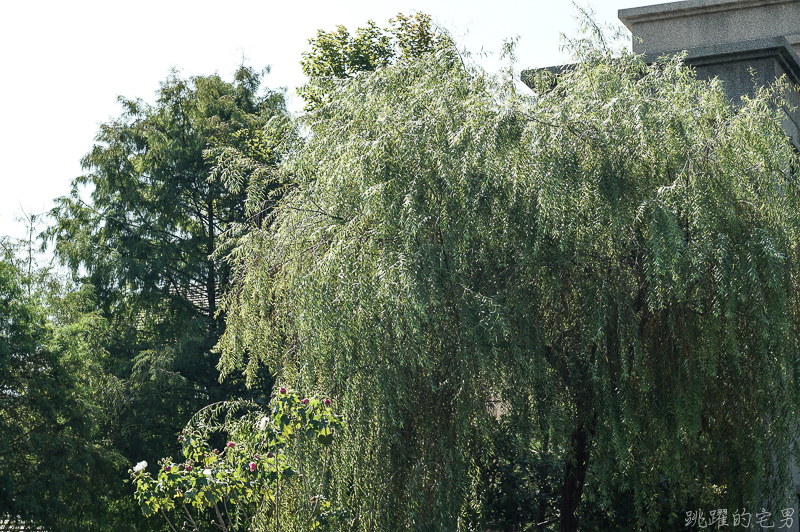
[(144, 241)]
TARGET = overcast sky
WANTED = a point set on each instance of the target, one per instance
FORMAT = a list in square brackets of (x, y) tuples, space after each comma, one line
[(64, 63)]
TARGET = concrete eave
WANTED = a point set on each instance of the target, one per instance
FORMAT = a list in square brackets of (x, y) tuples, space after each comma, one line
[(779, 48)]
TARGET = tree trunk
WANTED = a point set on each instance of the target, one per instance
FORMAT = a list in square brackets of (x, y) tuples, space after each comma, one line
[(574, 476)]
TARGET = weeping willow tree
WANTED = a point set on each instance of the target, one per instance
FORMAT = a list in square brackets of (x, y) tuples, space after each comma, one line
[(612, 259)]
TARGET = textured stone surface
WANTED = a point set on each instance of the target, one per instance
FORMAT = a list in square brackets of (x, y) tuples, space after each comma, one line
[(794, 40), (693, 23), (769, 59)]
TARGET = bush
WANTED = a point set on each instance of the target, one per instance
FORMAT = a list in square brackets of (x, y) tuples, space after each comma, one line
[(271, 473)]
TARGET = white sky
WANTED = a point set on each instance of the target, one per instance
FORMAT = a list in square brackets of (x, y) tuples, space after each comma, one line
[(64, 63)]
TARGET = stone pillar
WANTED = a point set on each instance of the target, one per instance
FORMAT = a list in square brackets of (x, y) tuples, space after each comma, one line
[(725, 39)]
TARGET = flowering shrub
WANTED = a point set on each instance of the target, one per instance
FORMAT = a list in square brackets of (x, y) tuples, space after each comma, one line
[(269, 476)]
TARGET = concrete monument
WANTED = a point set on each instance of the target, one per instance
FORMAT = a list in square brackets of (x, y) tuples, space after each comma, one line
[(741, 42)]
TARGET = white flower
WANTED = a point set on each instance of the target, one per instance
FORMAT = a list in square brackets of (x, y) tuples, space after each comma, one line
[(207, 472), (138, 467), (262, 424)]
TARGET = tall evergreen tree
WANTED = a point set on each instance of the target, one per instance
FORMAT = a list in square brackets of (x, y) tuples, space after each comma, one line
[(145, 242), (613, 259)]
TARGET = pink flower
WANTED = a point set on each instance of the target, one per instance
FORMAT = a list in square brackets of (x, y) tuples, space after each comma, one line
[(283, 390), (327, 402), (304, 401), (188, 467), (252, 466), (270, 455), (167, 468), (216, 451), (231, 444)]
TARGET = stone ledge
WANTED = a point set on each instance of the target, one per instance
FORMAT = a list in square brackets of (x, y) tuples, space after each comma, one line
[(688, 8), (778, 48), (695, 23)]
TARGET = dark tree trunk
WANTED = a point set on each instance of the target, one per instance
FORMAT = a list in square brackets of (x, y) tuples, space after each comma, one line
[(574, 476), (577, 459)]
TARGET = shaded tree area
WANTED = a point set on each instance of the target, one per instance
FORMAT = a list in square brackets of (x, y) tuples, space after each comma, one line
[(57, 468), (614, 256)]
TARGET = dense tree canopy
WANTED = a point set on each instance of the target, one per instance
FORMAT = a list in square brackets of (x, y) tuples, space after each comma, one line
[(612, 260), (486, 308)]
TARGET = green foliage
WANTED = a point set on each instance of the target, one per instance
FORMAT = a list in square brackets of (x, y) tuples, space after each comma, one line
[(270, 476), (337, 55), (56, 468), (520, 480), (614, 254)]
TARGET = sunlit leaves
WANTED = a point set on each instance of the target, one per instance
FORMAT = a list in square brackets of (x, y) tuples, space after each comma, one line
[(336, 56)]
